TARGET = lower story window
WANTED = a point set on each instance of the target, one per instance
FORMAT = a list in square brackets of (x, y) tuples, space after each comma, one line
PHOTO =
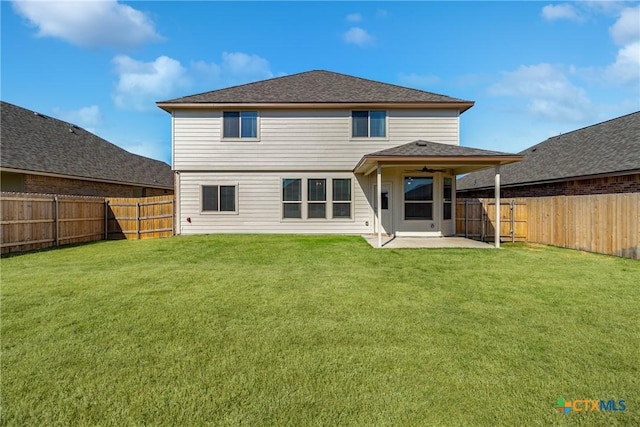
[(316, 198), (219, 198), (447, 198), (291, 198), (341, 198), (418, 198)]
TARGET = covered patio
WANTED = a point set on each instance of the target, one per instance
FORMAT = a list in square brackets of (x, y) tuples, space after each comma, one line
[(391, 242), (424, 173)]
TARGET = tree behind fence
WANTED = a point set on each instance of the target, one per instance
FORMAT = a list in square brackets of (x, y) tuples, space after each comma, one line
[(37, 221)]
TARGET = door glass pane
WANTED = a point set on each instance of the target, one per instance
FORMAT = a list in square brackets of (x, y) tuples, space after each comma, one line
[(378, 123), (227, 198), (292, 190), (249, 124), (210, 198), (418, 188), (317, 190), (231, 124), (446, 210), (447, 190), (359, 121)]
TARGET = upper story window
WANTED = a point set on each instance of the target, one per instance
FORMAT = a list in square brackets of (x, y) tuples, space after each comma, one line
[(240, 124), (369, 124)]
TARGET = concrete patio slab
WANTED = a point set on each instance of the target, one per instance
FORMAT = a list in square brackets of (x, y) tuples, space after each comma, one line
[(390, 242)]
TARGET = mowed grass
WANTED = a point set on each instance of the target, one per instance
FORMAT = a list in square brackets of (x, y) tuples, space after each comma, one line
[(295, 330)]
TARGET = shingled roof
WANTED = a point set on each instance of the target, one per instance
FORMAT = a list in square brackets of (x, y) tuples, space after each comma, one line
[(422, 148), (316, 87), (33, 142), (611, 147)]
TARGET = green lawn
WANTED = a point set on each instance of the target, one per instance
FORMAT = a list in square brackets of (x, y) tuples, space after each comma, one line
[(294, 330)]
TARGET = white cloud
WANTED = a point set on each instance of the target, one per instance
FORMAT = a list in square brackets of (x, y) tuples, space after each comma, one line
[(104, 23), (242, 66), (627, 27), (418, 80), (357, 36), (234, 68), (560, 11), (141, 84), (626, 69), (354, 17), (547, 92), (87, 117)]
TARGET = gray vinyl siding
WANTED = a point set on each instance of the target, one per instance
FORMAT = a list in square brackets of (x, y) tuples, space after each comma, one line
[(299, 139), (259, 207)]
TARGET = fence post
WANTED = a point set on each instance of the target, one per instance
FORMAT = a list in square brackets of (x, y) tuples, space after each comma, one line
[(512, 208), (173, 217), (483, 219), (138, 220), (57, 218), (106, 219), (466, 218)]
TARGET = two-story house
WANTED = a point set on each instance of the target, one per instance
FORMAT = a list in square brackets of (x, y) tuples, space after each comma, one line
[(307, 153)]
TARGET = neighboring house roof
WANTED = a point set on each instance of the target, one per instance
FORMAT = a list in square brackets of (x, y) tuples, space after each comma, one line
[(316, 87), (33, 142), (459, 158), (607, 148)]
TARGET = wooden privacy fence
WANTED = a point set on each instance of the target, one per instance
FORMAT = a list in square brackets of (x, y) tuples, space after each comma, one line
[(31, 221), (147, 218), (475, 219), (37, 221), (602, 223)]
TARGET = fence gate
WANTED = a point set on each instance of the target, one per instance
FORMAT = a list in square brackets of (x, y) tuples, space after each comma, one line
[(475, 219), (147, 218)]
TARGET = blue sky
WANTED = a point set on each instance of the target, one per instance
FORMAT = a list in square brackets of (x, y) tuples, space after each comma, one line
[(534, 69)]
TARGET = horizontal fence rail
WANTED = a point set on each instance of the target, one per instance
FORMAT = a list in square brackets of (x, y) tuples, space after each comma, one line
[(38, 221), (134, 219), (601, 223)]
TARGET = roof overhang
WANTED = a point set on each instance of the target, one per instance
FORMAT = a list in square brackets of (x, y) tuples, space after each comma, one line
[(456, 165), (85, 178), (171, 106)]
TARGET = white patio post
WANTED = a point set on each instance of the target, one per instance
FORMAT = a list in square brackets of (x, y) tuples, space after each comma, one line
[(379, 201), (497, 191)]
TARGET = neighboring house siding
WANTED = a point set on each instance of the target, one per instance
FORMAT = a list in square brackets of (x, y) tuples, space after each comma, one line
[(299, 139), (604, 185), (259, 205), (54, 185)]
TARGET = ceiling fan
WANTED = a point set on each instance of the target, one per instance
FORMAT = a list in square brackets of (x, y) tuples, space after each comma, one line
[(425, 170)]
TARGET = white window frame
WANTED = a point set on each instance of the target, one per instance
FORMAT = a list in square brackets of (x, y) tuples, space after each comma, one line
[(219, 184), (240, 137), (304, 208), (432, 201), (386, 126)]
